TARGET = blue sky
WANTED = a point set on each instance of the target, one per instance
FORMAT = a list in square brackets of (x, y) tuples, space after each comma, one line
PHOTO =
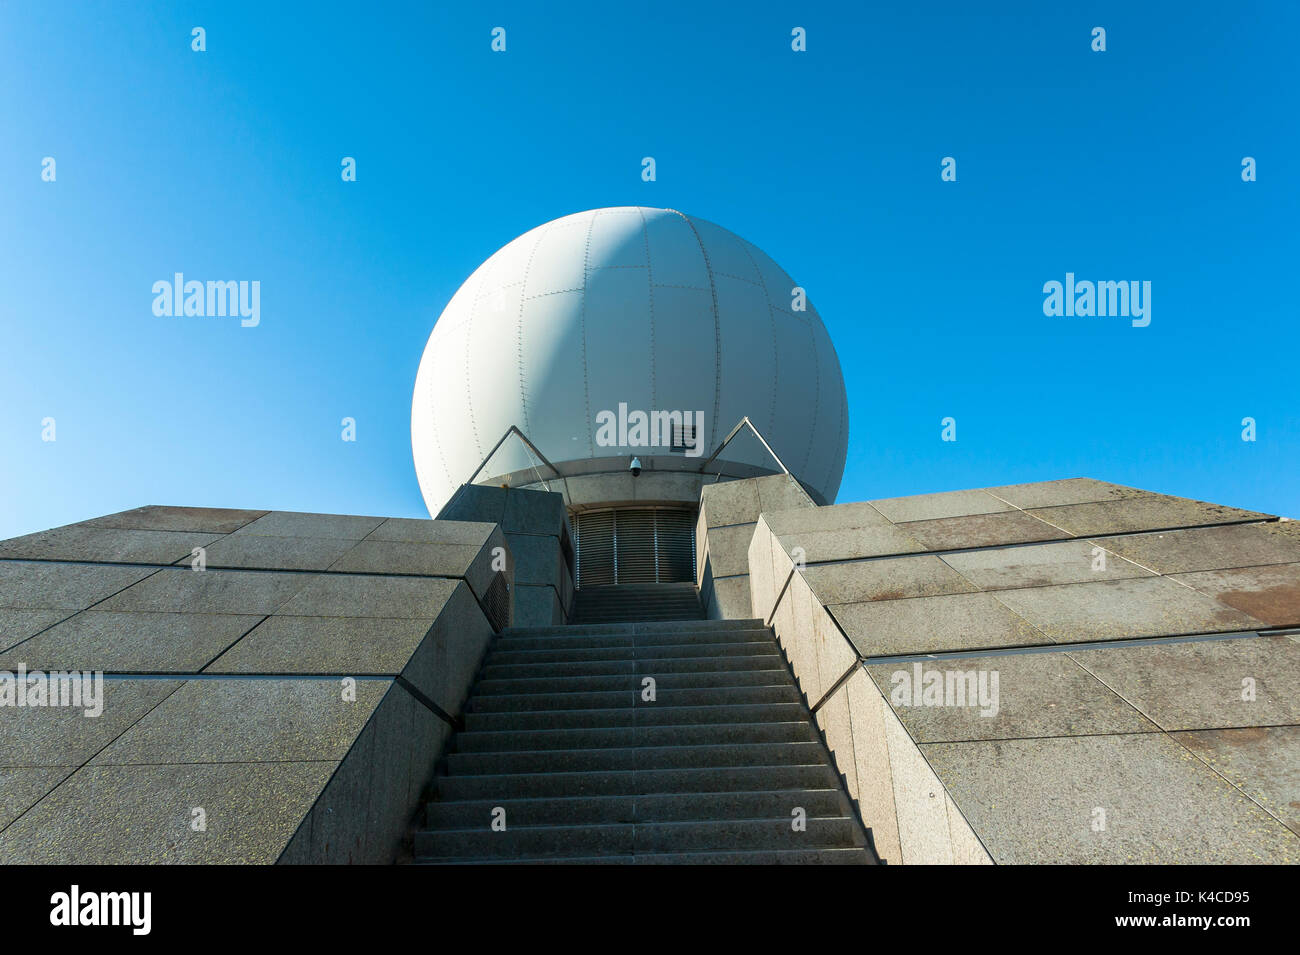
[(225, 164)]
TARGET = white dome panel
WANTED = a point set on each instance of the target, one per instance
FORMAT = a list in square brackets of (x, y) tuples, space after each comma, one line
[(778, 284), (675, 255), (547, 378), (748, 380), (826, 465), (617, 241), (621, 344), (797, 373), (727, 254), (558, 262), (684, 350), (510, 263), (488, 399)]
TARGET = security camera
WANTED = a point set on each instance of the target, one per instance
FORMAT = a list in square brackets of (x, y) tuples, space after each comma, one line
[(636, 466)]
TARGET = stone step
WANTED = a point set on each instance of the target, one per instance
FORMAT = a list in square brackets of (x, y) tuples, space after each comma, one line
[(640, 603), (501, 741), (522, 720), (630, 609), (645, 601), (632, 681), (556, 734), (512, 671), (619, 595), (510, 702), (815, 775), (663, 807), (569, 655), (634, 627), (627, 838), (634, 758), (633, 613), (759, 857), (649, 605), (560, 641)]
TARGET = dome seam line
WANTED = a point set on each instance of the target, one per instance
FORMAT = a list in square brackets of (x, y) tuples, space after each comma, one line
[(650, 275), (469, 346), (817, 396), (776, 351), (519, 331), (717, 324), (586, 380)]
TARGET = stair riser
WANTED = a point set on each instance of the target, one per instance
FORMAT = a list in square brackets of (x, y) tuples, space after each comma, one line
[(597, 640), (633, 611), (854, 856), (646, 608), (628, 653), (618, 619), (516, 671), (648, 602), (636, 809), (636, 612), (619, 839), (547, 785), (634, 681), (775, 857), (650, 597), (570, 630), (676, 586), (589, 701), (640, 716), (616, 737), (634, 758), (641, 604)]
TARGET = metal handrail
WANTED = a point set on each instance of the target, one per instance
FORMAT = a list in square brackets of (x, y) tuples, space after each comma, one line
[(514, 429), (743, 422)]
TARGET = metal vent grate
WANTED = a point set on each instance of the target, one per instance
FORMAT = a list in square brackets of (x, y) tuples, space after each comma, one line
[(635, 545), (595, 556), (675, 533), (683, 438), (496, 602)]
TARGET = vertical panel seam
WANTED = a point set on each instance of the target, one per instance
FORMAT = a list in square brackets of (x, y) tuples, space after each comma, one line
[(717, 325)]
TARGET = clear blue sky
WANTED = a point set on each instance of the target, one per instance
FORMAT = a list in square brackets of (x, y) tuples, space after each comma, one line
[(225, 165)]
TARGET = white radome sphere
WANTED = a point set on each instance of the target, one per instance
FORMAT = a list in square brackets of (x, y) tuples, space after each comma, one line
[(648, 307)]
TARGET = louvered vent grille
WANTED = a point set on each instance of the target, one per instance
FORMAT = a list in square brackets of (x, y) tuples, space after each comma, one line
[(635, 545), (676, 547)]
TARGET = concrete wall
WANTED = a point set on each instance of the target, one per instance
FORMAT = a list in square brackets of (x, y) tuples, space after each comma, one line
[(288, 702), (537, 529), (1104, 746), (729, 511)]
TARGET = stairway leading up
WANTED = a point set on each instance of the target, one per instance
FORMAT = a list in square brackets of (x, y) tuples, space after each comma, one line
[(565, 752)]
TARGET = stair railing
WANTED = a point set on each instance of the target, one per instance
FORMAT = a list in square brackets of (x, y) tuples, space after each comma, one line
[(741, 424), (514, 429)]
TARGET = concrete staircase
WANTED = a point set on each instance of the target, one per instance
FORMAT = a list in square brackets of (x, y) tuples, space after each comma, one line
[(560, 744), (626, 603)]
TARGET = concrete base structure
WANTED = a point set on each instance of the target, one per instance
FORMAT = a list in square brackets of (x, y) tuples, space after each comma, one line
[(537, 530), (286, 703), (1070, 671), (1147, 699), (729, 512)]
